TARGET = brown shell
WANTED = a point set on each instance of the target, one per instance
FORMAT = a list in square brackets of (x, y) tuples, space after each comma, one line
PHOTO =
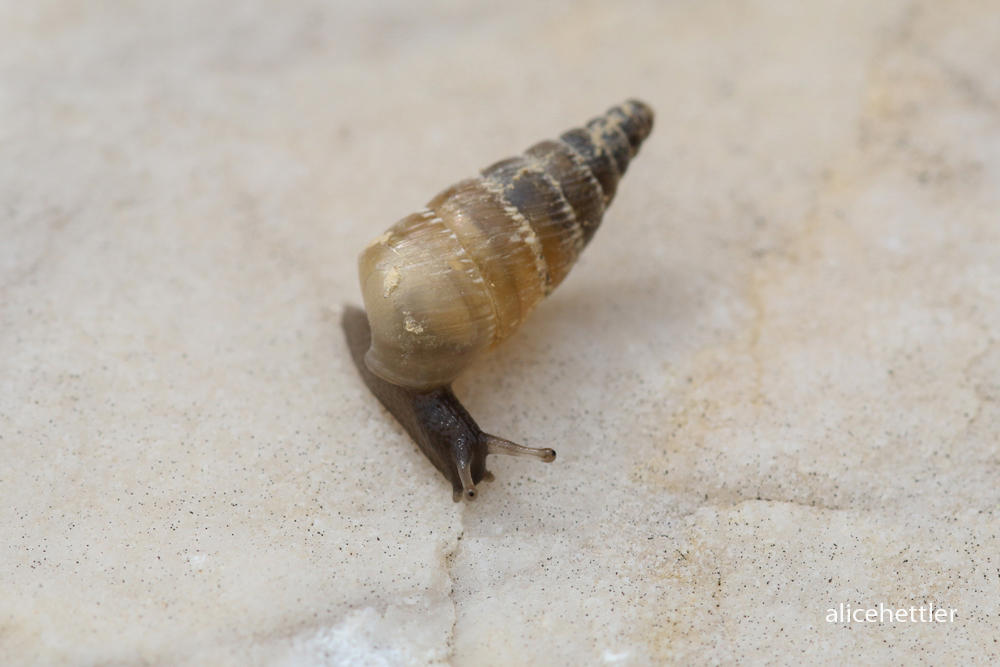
[(445, 285)]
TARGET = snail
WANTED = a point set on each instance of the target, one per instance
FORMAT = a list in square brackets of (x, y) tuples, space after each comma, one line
[(444, 286)]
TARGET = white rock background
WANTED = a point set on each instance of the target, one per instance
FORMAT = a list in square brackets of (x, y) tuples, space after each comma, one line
[(772, 380)]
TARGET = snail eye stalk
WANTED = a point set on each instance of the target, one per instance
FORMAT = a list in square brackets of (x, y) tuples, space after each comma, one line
[(495, 445)]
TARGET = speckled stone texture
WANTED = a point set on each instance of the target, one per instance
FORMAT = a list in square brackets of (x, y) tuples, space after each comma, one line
[(772, 379)]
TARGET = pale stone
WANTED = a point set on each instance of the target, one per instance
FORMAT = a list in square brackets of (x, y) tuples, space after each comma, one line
[(771, 379)]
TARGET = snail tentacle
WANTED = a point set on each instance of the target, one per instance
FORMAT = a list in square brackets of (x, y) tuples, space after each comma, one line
[(495, 445), (468, 487)]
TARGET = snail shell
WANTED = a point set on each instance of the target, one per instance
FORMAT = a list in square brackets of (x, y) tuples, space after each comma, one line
[(445, 285)]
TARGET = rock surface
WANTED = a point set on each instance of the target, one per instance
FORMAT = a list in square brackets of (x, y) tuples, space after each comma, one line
[(772, 379)]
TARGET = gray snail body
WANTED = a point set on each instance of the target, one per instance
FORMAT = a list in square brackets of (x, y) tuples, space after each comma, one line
[(444, 286)]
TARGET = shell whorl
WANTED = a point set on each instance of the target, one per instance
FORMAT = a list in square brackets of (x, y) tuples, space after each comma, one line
[(445, 285)]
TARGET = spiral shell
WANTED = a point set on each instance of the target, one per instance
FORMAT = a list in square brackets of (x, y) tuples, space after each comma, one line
[(445, 285)]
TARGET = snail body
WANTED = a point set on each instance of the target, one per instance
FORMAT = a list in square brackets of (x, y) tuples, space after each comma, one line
[(444, 286)]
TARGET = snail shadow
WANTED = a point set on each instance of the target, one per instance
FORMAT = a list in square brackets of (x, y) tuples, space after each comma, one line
[(617, 303), (568, 374), (607, 314)]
